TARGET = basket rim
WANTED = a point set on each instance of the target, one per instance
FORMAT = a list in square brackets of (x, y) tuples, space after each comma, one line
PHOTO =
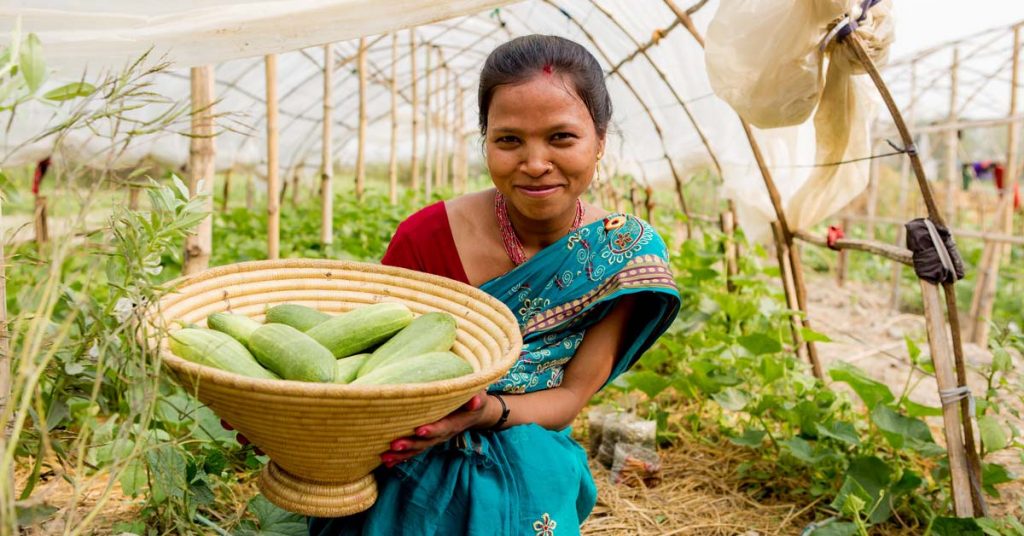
[(476, 380)]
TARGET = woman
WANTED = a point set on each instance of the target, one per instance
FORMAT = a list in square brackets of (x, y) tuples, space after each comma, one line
[(591, 291)]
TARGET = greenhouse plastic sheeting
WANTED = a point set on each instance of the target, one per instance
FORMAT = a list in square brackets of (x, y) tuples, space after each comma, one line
[(76, 38), (772, 62)]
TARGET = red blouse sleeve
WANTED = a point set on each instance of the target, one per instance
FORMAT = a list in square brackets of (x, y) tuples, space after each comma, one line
[(424, 242)]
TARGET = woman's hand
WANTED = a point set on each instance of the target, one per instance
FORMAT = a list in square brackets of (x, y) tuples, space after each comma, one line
[(479, 411), (242, 440)]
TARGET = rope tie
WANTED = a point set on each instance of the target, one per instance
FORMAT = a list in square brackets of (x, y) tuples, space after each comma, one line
[(909, 149), (955, 395), (847, 25), (835, 233), (940, 246)]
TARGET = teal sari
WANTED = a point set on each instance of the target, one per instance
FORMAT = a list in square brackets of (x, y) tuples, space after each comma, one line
[(527, 479)]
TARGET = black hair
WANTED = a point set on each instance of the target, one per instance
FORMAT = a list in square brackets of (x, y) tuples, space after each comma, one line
[(522, 58)]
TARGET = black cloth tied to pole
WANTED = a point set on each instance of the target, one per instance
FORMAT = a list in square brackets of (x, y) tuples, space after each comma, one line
[(935, 256)]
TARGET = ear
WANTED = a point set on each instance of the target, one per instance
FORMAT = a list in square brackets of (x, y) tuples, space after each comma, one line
[(600, 146)]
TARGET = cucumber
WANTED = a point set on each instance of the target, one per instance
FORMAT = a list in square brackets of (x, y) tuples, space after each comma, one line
[(431, 332), (215, 349), (352, 332), (429, 367), (292, 354), (238, 326), (347, 367), (299, 317)]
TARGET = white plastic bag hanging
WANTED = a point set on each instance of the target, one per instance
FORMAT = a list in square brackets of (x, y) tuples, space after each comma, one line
[(773, 61)]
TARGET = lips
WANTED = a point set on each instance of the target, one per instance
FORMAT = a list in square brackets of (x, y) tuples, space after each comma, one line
[(539, 190)]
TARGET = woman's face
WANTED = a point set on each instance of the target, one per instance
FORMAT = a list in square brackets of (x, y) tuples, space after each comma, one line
[(542, 146)]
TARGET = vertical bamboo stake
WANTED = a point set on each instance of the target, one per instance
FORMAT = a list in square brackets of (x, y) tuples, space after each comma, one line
[(39, 220), (731, 254), (460, 141), (273, 200), (393, 160), (988, 279), (952, 143), (227, 190), (250, 191), (843, 259), (202, 152), (414, 162), (904, 191), (449, 119), (941, 357), (326, 148), (649, 203), (133, 197), (361, 154), (428, 162), (789, 288)]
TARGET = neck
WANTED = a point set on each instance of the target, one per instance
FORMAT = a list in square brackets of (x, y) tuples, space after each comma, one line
[(538, 234)]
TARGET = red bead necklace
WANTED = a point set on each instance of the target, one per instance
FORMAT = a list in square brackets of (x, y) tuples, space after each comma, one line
[(509, 238)]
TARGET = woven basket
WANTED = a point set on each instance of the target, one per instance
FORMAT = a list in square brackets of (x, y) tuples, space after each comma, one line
[(324, 439)]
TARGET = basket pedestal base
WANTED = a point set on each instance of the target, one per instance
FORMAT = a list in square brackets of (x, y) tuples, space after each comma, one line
[(313, 498)]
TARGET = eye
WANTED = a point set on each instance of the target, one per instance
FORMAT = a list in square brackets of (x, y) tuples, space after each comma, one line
[(507, 140), (563, 136)]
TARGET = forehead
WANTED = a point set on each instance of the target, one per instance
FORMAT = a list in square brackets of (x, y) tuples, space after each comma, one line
[(541, 100)]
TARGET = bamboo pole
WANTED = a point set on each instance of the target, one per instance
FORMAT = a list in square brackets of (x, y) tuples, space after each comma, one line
[(731, 253), (874, 176), (326, 158), (5, 356), (952, 141), (39, 220), (941, 357), (414, 164), (393, 160), (440, 177), (202, 155), (428, 171), (133, 197), (250, 191), (461, 150), (960, 233), (226, 192), (976, 499), (986, 288), (273, 200), (789, 287), (361, 150)]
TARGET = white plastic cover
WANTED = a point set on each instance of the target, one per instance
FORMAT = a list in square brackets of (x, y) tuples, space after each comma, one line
[(770, 61)]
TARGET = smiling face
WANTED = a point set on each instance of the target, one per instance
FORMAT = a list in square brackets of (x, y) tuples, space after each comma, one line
[(542, 147)]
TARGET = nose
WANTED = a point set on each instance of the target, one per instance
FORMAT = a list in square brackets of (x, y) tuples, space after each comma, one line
[(536, 163)]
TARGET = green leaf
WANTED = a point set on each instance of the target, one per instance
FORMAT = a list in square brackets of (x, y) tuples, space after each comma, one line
[(992, 434), (867, 480), (903, 431), (1001, 361), (34, 514), (30, 62), (956, 526), (993, 474), (809, 334), (650, 383), (731, 399), (836, 528), (70, 91), (760, 344), (801, 450), (870, 391), (751, 437), (132, 478), (840, 431), (273, 521), (912, 349), (920, 410), (167, 467)]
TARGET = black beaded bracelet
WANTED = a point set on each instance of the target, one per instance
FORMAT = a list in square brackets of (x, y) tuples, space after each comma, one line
[(504, 412)]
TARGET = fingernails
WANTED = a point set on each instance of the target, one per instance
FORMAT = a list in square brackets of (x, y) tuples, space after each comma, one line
[(398, 447), (422, 432)]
